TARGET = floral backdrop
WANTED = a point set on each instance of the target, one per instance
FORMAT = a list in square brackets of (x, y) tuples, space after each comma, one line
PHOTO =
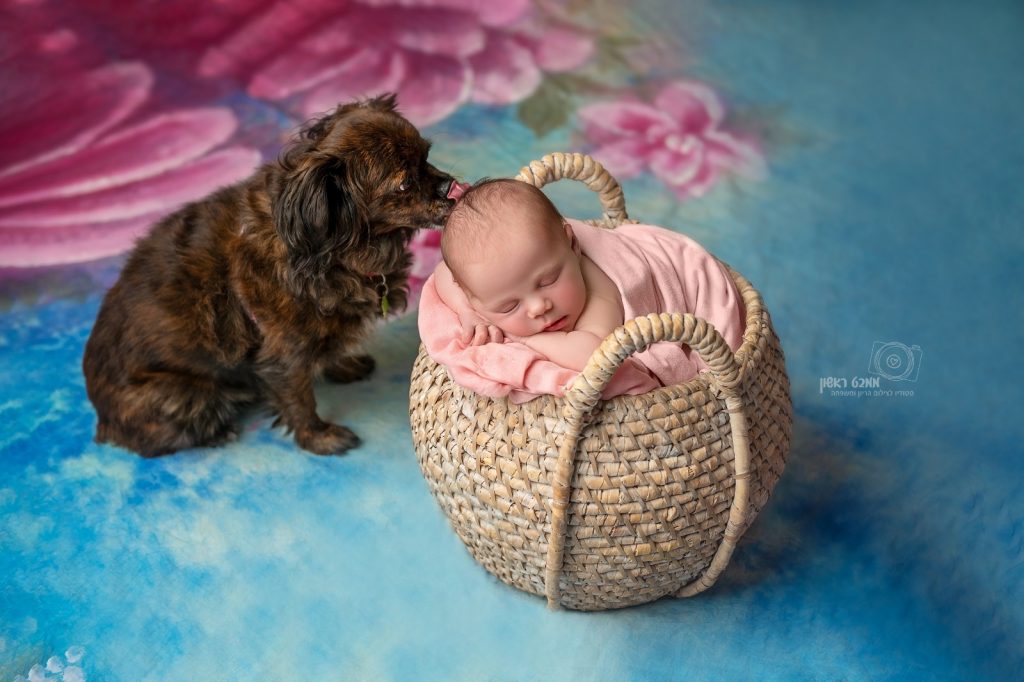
[(860, 164), (97, 147)]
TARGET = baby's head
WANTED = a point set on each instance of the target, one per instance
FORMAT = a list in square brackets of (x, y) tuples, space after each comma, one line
[(516, 258), (492, 213)]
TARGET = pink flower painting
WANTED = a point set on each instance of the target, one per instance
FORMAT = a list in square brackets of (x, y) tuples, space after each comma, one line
[(426, 250), (82, 175), (436, 54), (678, 137), (96, 143)]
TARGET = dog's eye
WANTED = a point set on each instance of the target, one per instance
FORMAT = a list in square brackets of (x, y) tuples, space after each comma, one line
[(404, 187)]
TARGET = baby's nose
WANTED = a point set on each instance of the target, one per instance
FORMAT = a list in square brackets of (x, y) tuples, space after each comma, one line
[(539, 306)]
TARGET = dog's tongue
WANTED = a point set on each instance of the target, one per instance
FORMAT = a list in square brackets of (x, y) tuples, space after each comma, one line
[(457, 190)]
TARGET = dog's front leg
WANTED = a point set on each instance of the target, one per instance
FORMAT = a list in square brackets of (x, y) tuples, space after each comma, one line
[(290, 389), (350, 368)]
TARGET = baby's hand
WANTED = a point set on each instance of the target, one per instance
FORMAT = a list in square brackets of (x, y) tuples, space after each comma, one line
[(479, 334)]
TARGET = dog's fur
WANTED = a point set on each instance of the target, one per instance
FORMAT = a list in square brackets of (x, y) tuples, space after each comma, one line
[(251, 293)]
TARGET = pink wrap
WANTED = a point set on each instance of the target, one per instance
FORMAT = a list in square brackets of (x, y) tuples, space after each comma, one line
[(656, 271)]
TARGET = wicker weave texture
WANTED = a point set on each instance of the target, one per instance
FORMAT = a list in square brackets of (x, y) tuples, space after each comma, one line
[(648, 483), (652, 487)]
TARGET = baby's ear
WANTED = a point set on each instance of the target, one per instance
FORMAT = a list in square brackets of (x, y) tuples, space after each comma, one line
[(574, 243)]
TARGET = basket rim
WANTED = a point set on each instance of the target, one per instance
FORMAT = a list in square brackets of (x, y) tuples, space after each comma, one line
[(754, 328)]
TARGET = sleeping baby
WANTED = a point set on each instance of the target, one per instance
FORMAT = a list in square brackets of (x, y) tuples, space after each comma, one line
[(519, 265), (524, 296)]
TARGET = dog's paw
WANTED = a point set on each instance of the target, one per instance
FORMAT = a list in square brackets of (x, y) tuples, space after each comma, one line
[(228, 433), (351, 368), (332, 439)]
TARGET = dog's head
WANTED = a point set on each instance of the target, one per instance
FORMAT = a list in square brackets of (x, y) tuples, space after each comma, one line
[(353, 189)]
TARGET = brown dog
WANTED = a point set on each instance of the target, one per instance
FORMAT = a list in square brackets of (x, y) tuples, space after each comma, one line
[(250, 294)]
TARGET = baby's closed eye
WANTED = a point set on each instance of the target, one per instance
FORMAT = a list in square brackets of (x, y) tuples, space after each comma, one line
[(549, 279)]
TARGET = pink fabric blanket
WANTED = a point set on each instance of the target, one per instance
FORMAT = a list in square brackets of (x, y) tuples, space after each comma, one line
[(656, 271)]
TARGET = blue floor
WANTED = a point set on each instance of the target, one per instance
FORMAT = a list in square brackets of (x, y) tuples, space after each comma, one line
[(891, 212)]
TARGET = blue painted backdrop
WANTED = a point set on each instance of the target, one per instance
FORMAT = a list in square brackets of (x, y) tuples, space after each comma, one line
[(889, 210)]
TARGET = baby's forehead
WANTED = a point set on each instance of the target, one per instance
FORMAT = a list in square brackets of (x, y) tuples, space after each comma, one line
[(505, 263), (520, 227)]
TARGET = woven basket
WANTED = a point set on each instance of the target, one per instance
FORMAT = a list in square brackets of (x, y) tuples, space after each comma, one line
[(604, 504)]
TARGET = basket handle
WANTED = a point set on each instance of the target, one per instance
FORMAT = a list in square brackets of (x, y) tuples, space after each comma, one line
[(587, 170), (634, 337)]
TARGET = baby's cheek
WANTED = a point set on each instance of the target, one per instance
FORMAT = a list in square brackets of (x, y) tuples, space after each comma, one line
[(515, 328), (580, 295)]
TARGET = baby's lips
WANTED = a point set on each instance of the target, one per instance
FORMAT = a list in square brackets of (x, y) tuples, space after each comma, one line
[(457, 190)]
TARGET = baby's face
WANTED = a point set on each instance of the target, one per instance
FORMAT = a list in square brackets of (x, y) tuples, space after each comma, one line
[(528, 286)]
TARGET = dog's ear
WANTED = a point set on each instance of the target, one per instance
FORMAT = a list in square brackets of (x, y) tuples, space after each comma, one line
[(315, 215)]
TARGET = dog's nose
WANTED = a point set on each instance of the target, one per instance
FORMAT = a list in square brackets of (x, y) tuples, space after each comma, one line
[(444, 188)]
